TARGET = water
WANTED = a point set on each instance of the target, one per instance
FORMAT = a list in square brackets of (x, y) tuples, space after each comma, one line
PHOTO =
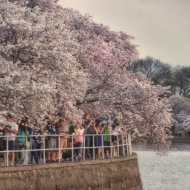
[(170, 172)]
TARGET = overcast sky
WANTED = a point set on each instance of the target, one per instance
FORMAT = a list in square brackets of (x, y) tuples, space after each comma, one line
[(161, 27)]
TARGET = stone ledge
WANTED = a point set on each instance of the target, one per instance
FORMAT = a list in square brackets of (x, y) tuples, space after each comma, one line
[(115, 174), (68, 164)]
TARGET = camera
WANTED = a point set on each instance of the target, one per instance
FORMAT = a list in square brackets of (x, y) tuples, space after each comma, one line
[(8, 126)]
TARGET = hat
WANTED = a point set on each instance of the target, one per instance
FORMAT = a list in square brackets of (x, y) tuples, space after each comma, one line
[(104, 122)]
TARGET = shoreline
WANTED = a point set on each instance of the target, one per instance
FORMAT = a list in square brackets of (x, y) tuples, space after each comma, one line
[(173, 139)]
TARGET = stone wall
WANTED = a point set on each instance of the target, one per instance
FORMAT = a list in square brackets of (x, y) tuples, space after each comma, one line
[(108, 174)]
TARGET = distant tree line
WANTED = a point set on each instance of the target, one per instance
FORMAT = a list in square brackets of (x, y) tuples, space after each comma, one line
[(178, 78)]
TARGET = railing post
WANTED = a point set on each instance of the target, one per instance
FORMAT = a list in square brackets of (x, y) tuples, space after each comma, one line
[(72, 149), (118, 145), (26, 152), (127, 144), (102, 145), (44, 152), (130, 148), (123, 145), (7, 155), (93, 146), (84, 141), (111, 145), (59, 147)]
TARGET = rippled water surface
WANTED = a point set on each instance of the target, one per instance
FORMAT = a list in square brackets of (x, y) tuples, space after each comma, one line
[(170, 172)]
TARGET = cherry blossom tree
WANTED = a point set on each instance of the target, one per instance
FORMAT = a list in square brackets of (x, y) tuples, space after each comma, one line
[(181, 112), (40, 76), (54, 59), (113, 90)]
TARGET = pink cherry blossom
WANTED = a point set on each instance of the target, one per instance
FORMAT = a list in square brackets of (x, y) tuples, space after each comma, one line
[(55, 60)]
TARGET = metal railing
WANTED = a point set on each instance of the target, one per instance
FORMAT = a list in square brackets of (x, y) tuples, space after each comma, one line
[(122, 145)]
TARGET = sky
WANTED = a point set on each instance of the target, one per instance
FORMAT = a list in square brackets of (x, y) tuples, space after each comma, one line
[(161, 27)]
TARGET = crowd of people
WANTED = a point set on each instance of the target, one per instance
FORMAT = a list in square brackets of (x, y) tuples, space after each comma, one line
[(59, 139)]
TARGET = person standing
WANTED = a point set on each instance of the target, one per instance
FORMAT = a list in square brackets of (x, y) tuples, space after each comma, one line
[(40, 144), (114, 136), (20, 143), (93, 140), (37, 140), (106, 138), (29, 141), (52, 142), (10, 129), (62, 131), (78, 140), (120, 139), (99, 130), (86, 123)]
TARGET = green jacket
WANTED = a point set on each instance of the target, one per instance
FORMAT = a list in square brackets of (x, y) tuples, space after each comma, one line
[(105, 137), (22, 134)]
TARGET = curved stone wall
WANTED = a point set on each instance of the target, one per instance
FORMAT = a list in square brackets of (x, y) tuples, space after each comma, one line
[(109, 174)]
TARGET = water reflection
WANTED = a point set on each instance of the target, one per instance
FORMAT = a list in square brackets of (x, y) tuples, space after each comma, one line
[(170, 172), (174, 147)]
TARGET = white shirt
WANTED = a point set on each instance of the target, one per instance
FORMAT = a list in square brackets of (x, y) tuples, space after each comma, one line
[(114, 130), (64, 128), (13, 126)]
